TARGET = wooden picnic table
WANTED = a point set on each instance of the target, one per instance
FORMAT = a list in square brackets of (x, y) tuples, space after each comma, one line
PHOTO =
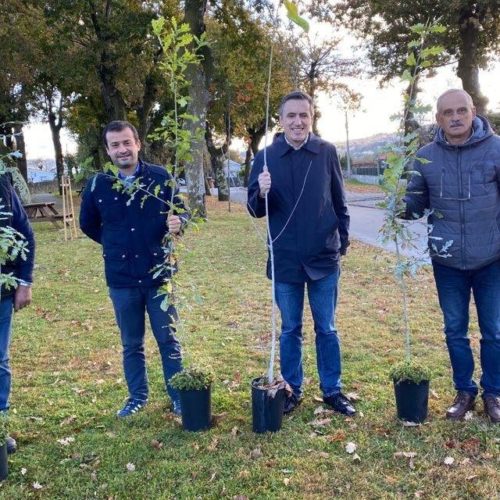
[(44, 211)]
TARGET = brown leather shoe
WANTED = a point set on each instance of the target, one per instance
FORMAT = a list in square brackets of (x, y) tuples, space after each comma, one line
[(464, 402), (492, 408)]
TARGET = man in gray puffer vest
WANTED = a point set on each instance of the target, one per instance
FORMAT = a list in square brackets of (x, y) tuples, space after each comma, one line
[(458, 180)]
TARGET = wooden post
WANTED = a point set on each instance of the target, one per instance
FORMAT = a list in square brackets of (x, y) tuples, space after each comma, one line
[(68, 209)]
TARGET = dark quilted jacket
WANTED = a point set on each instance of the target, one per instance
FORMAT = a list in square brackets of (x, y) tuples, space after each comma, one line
[(461, 187)]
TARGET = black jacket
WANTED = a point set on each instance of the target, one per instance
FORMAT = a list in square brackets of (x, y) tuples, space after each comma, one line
[(307, 185), (131, 231)]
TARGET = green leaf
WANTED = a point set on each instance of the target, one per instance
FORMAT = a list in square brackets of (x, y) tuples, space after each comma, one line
[(293, 14), (410, 60)]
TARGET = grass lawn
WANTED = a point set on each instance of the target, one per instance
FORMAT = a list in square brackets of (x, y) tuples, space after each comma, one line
[(68, 384)]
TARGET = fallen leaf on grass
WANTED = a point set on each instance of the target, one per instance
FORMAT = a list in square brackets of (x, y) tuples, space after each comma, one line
[(471, 446), (320, 422), (213, 445), (68, 420), (353, 396), (23, 471), (214, 475), (256, 453), (244, 474), (469, 416), (235, 431), (157, 445), (286, 481), (319, 410), (66, 441), (37, 486), (434, 394), (356, 458), (405, 454), (471, 478), (350, 447), (448, 461), (130, 467), (337, 436), (240, 497), (323, 454), (317, 399)]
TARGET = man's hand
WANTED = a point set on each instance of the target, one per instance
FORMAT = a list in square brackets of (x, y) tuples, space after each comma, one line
[(174, 224), (264, 183), (22, 297)]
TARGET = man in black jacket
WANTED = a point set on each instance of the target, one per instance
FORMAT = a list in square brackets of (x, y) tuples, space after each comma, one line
[(14, 222), (458, 180), (309, 225), (131, 230)]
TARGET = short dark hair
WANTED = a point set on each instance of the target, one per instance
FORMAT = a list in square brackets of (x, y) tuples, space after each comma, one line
[(118, 126), (296, 95)]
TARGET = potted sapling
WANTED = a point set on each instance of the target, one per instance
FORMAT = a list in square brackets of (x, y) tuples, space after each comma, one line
[(410, 377), (268, 392), (194, 385)]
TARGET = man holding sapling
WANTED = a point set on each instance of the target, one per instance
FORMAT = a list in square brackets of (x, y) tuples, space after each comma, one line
[(131, 225), (309, 225), (457, 178)]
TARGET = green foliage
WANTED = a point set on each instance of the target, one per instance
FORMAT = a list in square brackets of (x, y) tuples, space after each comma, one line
[(411, 371), (13, 245), (192, 379)]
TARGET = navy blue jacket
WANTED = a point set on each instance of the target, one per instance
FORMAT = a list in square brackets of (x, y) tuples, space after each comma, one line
[(460, 184), (14, 216), (317, 232), (131, 232)]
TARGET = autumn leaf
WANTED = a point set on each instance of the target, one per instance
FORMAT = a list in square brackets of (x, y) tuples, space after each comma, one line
[(293, 14), (449, 461), (130, 467), (256, 453)]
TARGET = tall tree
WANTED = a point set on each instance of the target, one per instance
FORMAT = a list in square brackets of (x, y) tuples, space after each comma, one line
[(471, 38)]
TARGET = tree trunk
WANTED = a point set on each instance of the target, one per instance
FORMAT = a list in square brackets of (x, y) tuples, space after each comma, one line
[(411, 124), (468, 64), (55, 129), (22, 163), (194, 12), (255, 135), (217, 157)]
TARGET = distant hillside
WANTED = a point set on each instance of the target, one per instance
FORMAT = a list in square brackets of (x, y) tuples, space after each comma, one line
[(368, 146)]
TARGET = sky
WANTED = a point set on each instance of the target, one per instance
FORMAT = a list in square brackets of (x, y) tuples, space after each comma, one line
[(374, 117)]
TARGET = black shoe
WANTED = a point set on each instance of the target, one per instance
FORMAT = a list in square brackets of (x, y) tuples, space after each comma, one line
[(291, 403), (11, 445), (463, 402), (340, 403)]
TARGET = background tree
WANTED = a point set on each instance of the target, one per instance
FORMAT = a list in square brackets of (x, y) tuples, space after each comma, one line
[(471, 36)]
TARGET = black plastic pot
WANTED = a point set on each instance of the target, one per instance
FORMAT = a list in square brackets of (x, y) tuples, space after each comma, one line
[(412, 400), (267, 407), (4, 464), (196, 407)]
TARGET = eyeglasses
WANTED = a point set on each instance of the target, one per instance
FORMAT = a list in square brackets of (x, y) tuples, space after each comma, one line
[(451, 198)]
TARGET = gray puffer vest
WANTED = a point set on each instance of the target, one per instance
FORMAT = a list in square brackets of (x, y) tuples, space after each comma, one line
[(460, 184)]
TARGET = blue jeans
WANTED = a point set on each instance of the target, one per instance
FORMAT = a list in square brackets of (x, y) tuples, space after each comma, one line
[(454, 288), (322, 295), (6, 309), (130, 306)]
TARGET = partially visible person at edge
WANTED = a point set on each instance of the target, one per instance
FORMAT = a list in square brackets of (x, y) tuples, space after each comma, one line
[(309, 225), (131, 234), (460, 184), (14, 216)]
